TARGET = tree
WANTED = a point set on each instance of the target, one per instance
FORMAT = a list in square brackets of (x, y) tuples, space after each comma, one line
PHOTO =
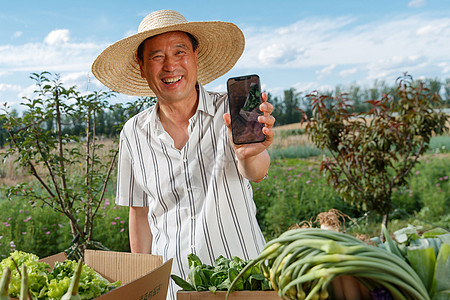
[(373, 152), (50, 156), (447, 92), (286, 110)]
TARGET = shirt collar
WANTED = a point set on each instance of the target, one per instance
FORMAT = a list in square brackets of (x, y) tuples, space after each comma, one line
[(205, 104), (205, 101)]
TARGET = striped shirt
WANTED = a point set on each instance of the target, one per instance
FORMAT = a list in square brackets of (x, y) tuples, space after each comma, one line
[(198, 201)]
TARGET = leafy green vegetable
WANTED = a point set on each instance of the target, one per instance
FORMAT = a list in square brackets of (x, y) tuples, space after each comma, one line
[(72, 292), (52, 285), (301, 264), (427, 254), (37, 273), (91, 283), (219, 277), (423, 261), (441, 288)]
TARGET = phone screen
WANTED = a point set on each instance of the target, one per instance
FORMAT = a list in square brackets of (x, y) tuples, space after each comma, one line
[(244, 96)]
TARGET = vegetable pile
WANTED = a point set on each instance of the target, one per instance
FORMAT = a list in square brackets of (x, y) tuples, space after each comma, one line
[(302, 263), (54, 284), (203, 277), (426, 253)]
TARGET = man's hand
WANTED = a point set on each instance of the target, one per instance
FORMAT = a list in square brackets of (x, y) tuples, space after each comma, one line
[(253, 158)]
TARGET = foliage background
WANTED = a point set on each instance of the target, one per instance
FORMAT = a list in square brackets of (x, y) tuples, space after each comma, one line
[(294, 192)]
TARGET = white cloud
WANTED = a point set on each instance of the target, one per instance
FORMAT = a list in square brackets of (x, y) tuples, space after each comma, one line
[(434, 28), (10, 87), (347, 49), (79, 79), (17, 34), (393, 66), (219, 88), (279, 54), (290, 46), (27, 92), (348, 72), (37, 57), (95, 82), (305, 86), (445, 66), (326, 71), (320, 47), (417, 3), (58, 36)]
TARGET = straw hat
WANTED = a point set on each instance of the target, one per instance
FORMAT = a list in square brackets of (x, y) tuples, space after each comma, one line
[(220, 44)]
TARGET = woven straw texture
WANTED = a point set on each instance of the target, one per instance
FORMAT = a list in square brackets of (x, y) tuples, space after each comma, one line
[(220, 46)]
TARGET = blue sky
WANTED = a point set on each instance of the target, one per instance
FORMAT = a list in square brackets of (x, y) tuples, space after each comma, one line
[(306, 45)]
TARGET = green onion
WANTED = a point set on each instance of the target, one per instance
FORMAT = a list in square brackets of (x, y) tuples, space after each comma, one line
[(303, 264)]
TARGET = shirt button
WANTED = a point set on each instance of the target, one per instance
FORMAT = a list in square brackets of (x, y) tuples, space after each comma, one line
[(188, 189), (193, 218), (185, 160)]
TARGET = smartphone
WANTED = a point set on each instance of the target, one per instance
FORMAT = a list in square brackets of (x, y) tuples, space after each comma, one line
[(244, 98)]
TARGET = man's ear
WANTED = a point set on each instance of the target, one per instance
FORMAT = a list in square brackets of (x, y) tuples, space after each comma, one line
[(196, 56), (141, 64)]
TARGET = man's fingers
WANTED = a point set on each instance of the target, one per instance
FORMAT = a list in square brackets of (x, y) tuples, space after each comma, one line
[(227, 119), (264, 97), (268, 120)]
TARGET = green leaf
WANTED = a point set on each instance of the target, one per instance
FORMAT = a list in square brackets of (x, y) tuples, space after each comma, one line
[(405, 234), (443, 295), (391, 246), (435, 232), (186, 286), (232, 274), (445, 238), (423, 261), (194, 260), (195, 278), (441, 285), (212, 289)]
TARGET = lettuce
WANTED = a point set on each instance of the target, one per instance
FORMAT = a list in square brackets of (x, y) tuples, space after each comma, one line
[(91, 283), (52, 285), (37, 273)]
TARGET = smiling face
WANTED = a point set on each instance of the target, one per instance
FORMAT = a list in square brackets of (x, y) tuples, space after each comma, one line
[(169, 64)]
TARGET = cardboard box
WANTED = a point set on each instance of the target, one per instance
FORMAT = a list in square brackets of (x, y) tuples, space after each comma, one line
[(143, 276), (237, 295)]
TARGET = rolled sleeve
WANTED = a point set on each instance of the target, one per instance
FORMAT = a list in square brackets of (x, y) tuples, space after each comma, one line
[(129, 193)]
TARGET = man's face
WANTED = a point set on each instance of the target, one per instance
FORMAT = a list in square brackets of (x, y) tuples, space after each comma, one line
[(169, 65)]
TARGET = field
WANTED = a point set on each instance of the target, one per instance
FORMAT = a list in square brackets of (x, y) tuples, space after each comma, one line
[(295, 192)]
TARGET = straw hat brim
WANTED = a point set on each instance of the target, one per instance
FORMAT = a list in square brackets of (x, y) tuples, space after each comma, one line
[(220, 44)]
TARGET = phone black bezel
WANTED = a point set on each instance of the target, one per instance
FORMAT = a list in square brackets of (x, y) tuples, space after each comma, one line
[(239, 78)]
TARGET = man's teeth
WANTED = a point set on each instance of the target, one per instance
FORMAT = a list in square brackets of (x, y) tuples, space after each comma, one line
[(171, 80)]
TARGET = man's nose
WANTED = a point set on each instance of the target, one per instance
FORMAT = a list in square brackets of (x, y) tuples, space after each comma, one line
[(170, 64)]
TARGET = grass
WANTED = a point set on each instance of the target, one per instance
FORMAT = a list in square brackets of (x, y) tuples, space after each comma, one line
[(295, 192), (41, 230)]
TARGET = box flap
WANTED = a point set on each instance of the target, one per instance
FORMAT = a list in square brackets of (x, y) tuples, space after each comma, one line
[(54, 258), (121, 265), (150, 286)]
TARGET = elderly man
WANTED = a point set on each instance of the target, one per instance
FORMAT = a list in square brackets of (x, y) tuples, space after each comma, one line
[(186, 183)]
